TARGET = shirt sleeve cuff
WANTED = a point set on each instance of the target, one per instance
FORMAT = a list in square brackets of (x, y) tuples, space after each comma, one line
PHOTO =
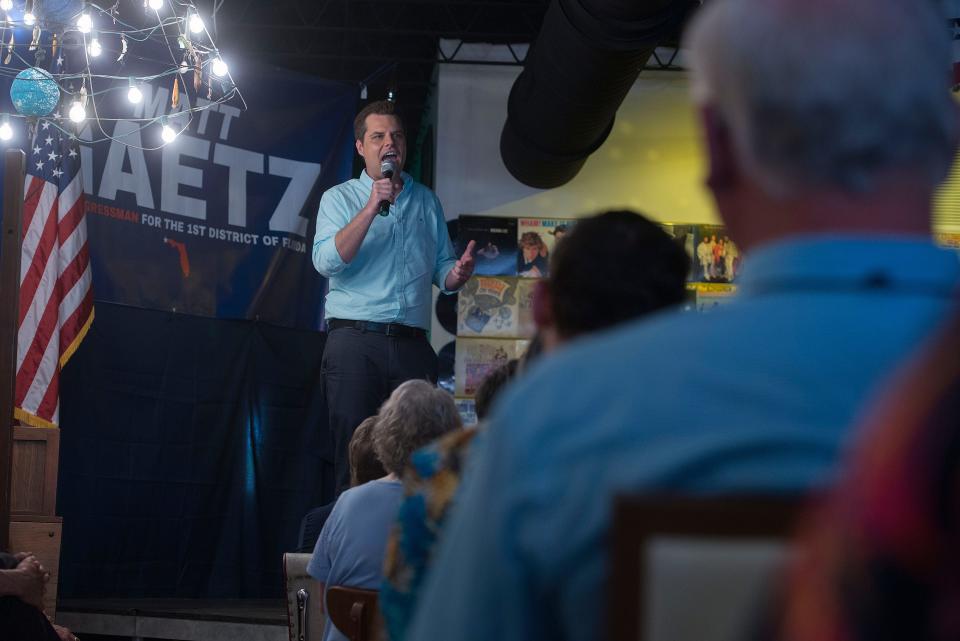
[(327, 259), (442, 282)]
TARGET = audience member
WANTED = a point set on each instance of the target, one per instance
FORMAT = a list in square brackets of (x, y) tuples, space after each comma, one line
[(490, 387), (609, 269), (364, 467), (429, 484), (880, 561), (824, 153), (23, 581), (351, 545)]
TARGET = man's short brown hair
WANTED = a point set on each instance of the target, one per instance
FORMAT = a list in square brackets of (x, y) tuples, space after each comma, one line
[(379, 107), (364, 464)]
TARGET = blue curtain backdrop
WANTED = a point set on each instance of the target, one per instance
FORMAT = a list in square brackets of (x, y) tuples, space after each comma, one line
[(190, 449)]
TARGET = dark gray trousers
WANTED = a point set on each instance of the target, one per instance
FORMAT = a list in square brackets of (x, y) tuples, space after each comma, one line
[(358, 372)]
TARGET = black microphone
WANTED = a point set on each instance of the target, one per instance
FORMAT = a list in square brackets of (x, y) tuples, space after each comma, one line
[(387, 168)]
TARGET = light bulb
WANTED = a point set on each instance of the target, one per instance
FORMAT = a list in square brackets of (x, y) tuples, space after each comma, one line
[(167, 133), (94, 48), (134, 95), (85, 23), (77, 112), (6, 5), (29, 19), (196, 23), (156, 5), (6, 131), (219, 67)]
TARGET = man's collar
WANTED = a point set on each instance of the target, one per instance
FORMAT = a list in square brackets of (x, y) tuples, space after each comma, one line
[(367, 181), (835, 258)]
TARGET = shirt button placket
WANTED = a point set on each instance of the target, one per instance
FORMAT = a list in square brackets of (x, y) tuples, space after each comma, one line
[(401, 257)]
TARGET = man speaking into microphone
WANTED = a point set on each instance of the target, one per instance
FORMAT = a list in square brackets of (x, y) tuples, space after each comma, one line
[(381, 241)]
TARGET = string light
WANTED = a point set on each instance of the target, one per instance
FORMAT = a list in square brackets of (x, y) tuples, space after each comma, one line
[(6, 131), (77, 112), (134, 95), (195, 22), (219, 67), (199, 58), (167, 133)]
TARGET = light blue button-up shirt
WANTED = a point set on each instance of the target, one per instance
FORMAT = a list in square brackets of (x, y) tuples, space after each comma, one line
[(388, 281), (759, 395)]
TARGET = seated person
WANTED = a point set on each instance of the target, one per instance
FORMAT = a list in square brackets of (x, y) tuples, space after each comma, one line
[(878, 560), (23, 581), (610, 268), (364, 467), (429, 482), (350, 549)]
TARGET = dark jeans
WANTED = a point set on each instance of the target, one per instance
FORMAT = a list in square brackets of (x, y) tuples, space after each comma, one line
[(22, 622), (358, 372)]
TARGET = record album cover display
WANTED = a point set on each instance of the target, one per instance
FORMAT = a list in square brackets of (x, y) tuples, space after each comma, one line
[(467, 409), (495, 311), (536, 238), (476, 357), (717, 258), (488, 307), (713, 295), (526, 327), (495, 252), (947, 239)]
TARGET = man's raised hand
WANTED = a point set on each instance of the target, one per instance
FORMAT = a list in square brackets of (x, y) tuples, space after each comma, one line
[(463, 269)]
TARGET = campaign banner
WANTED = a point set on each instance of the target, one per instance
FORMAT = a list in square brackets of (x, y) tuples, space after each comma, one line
[(219, 221)]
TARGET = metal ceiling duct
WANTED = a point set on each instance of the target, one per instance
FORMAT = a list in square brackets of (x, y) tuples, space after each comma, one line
[(585, 59)]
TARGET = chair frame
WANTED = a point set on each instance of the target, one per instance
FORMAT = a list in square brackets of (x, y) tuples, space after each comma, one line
[(354, 611), (637, 519)]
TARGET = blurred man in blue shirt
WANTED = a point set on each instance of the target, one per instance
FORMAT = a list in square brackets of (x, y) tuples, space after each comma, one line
[(382, 242), (824, 153)]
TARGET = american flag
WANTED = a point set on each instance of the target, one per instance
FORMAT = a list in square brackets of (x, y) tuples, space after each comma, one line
[(56, 299)]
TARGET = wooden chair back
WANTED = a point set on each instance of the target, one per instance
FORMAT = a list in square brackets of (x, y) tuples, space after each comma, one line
[(355, 612), (688, 568)]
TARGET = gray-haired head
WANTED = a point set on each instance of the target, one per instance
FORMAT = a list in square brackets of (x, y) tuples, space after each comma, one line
[(828, 94), (414, 415)]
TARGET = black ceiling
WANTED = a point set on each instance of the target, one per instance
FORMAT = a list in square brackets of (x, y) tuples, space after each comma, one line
[(391, 44)]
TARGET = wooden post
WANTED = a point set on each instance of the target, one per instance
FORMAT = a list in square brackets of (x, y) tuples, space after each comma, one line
[(10, 244)]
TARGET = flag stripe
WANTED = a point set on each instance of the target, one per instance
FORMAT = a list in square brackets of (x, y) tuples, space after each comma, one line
[(37, 247), (78, 271), (45, 374), (76, 267), (33, 308), (35, 354), (70, 197), (48, 403), (32, 188), (75, 326), (74, 313)]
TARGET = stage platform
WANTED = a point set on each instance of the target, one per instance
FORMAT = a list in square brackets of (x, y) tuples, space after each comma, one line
[(177, 619)]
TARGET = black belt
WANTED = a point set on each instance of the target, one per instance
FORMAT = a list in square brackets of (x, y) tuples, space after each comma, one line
[(390, 329)]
